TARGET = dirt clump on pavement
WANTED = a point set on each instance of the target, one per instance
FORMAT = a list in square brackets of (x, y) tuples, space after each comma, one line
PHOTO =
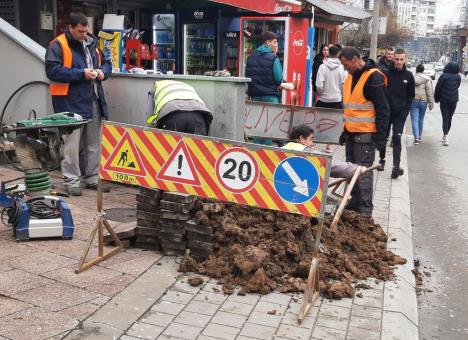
[(195, 281), (263, 250)]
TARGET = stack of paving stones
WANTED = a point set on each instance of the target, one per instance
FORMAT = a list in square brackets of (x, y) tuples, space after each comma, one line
[(200, 240), (148, 219), (174, 212)]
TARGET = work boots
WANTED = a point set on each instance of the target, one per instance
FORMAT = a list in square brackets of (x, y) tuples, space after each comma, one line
[(382, 165)]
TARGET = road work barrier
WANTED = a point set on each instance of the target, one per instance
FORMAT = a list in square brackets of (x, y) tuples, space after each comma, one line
[(274, 121), (244, 173)]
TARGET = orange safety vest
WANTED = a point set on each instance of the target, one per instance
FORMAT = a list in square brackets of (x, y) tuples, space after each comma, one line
[(61, 89), (359, 113)]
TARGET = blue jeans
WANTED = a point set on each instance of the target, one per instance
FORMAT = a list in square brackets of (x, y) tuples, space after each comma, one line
[(418, 110)]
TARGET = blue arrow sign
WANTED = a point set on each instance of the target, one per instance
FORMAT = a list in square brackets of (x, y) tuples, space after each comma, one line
[(296, 180)]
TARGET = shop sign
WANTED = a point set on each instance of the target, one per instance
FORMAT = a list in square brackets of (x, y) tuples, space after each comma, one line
[(198, 15), (243, 173), (231, 34)]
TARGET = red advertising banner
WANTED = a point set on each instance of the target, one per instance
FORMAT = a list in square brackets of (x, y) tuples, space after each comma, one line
[(265, 6)]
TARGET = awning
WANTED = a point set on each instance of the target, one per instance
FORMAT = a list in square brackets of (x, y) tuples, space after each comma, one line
[(265, 6), (340, 12)]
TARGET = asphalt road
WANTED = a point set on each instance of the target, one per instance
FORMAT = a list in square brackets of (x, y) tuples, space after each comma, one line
[(439, 203)]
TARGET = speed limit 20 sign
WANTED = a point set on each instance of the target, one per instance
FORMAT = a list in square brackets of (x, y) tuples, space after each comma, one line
[(244, 173)]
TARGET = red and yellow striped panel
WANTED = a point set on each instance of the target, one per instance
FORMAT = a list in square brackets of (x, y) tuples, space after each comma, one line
[(154, 148)]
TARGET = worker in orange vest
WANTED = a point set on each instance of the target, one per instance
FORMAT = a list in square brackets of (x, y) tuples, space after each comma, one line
[(76, 68), (366, 118)]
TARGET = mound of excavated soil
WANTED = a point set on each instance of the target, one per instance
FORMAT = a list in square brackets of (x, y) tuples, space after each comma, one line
[(263, 250)]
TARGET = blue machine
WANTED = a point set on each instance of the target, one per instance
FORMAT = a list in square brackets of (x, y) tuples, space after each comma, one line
[(36, 217)]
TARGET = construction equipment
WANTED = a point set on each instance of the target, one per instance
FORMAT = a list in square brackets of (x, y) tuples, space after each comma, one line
[(32, 211)]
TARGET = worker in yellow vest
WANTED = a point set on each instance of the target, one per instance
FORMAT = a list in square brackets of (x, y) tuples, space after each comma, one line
[(176, 106), (366, 118), (301, 138), (76, 68)]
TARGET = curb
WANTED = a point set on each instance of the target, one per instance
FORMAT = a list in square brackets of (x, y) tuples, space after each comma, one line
[(400, 308)]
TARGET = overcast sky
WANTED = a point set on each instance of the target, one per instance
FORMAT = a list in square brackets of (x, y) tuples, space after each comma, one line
[(447, 11)]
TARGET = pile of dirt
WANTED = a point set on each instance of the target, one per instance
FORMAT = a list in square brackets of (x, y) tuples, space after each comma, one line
[(263, 250)]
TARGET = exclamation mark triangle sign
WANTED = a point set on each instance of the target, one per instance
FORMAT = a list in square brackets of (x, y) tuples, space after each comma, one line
[(179, 167)]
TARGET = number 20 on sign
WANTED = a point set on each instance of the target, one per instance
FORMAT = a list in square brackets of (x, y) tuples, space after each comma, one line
[(243, 173)]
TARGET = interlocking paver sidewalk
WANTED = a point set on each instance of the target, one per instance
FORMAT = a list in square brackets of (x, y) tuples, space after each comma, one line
[(140, 295)]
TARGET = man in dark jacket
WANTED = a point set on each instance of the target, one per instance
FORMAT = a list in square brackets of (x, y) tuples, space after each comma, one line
[(366, 114), (400, 92), (76, 68), (385, 62), (446, 92)]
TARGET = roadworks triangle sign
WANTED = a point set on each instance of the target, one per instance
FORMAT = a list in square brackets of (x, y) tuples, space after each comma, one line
[(179, 167), (125, 158)]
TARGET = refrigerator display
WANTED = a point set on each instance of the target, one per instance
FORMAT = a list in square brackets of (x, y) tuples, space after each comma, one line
[(199, 48), (164, 39), (231, 52), (292, 49)]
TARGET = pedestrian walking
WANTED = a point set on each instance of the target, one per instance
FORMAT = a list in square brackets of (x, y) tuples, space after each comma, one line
[(446, 93), (366, 115), (330, 78), (423, 98), (321, 56), (385, 61), (266, 73), (76, 68), (176, 106), (400, 92)]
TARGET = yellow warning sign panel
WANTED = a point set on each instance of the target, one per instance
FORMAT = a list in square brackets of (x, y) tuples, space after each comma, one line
[(125, 158)]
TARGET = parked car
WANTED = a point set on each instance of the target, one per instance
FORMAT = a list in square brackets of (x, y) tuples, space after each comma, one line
[(439, 67), (429, 70)]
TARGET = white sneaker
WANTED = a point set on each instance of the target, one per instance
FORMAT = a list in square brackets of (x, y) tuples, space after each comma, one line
[(446, 142), (443, 138)]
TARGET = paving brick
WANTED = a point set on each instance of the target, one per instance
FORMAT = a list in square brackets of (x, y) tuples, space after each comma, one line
[(177, 297), (56, 296), (10, 306), (128, 337), (308, 322), (80, 312), (202, 307), (168, 244), (147, 207), (221, 331), (293, 332), (179, 331), (369, 301), (148, 224), (330, 310), (157, 318), (347, 303), (192, 236), (176, 207), (265, 307), (182, 286), (229, 319), (249, 299), (178, 197), (282, 299), (193, 319), (112, 287), (143, 215), (332, 322), (154, 193), (147, 231), (192, 226), (167, 307), (236, 308), (218, 298), (16, 281), (147, 246), (257, 331), (324, 333), (87, 278), (171, 215), (362, 334), (365, 311), (41, 262), (262, 318), (366, 323), (144, 331), (174, 227), (296, 307), (172, 237)]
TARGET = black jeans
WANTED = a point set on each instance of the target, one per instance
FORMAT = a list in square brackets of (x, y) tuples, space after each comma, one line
[(331, 105), (193, 122), (447, 109), (397, 121), (361, 152)]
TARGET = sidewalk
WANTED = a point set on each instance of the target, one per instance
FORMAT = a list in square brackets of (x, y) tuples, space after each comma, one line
[(139, 294)]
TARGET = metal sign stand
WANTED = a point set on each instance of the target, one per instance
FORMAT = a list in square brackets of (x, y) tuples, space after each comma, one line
[(101, 221)]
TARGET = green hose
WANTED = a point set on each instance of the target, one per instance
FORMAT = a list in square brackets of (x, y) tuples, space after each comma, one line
[(37, 182)]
